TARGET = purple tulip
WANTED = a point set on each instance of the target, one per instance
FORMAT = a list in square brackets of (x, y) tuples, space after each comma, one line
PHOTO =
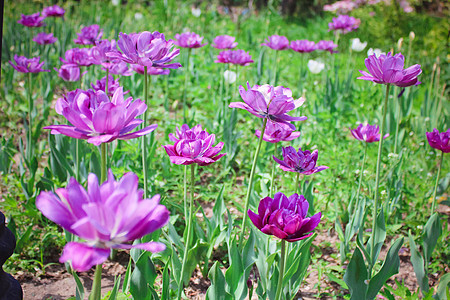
[(299, 162), (276, 42), (113, 85), (367, 133), (327, 46), (285, 217), (44, 38), (69, 73), (119, 68), (440, 141), (193, 146), (235, 57), (146, 49), (303, 46), (224, 42), (269, 102), (150, 70), (34, 20), (27, 65), (276, 132), (388, 69), (95, 118), (344, 24), (106, 216), (78, 57), (189, 40), (53, 11), (89, 35), (98, 53)]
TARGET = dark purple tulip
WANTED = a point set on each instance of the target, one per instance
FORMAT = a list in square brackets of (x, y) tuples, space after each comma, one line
[(53, 11), (34, 20), (193, 146), (327, 46), (388, 69), (277, 132), (95, 118), (303, 46), (285, 217), (150, 70), (78, 57), (344, 24), (367, 133), (69, 73), (276, 42), (440, 141), (146, 49), (189, 40), (235, 57), (224, 42), (27, 65), (44, 38), (299, 162), (113, 85), (269, 102), (89, 35), (106, 216)]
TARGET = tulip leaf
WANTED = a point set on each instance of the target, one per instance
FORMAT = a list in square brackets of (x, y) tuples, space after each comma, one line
[(115, 290), (356, 275), (431, 233), (390, 267), (380, 234), (195, 255), (127, 278), (236, 268), (298, 273), (443, 288), (143, 275), (79, 292), (165, 283), (216, 290), (418, 265)]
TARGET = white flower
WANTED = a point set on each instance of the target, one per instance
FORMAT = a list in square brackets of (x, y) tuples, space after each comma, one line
[(315, 66), (230, 76), (115, 2), (377, 52), (196, 12), (357, 45), (138, 16)]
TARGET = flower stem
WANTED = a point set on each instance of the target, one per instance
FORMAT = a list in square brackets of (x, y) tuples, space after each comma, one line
[(103, 161), (30, 145), (188, 236), (397, 127), (96, 293), (281, 275), (250, 183), (276, 69), (433, 205), (297, 182), (144, 138), (186, 80), (185, 192), (106, 82), (377, 181), (360, 178), (272, 181)]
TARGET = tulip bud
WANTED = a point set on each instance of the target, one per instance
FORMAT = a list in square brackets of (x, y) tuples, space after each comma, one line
[(412, 35), (399, 44)]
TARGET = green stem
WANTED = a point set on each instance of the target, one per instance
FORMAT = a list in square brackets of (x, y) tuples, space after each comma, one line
[(433, 205), (186, 80), (106, 82), (281, 275), (249, 189), (103, 161), (144, 138), (188, 236), (30, 145), (297, 182), (360, 178), (235, 84), (397, 127), (272, 181), (377, 181), (276, 69), (185, 191), (96, 293)]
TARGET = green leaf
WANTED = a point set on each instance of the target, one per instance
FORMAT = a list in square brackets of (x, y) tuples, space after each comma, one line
[(115, 290), (443, 288), (380, 234), (195, 255), (79, 291), (127, 278), (304, 261), (143, 276), (390, 267), (216, 290), (418, 265), (431, 233), (339, 281), (236, 268), (356, 275), (165, 283)]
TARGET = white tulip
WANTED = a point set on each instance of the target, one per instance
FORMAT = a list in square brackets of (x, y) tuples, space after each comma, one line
[(138, 16), (377, 52), (230, 76), (196, 12), (315, 66), (115, 2), (357, 45)]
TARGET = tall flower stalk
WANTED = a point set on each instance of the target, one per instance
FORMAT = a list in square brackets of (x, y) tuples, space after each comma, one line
[(281, 274), (186, 81), (144, 139), (433, 205)]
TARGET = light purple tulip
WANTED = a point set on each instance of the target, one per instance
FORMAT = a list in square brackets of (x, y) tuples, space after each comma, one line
[(367, 133), (98, 53), (277, 132), (146, 49), (276, 42), (285, 217), (440, 141), (388, 69), (97, 119), (235, 57), (69, 73), (45, 38), (327, 46), (150, 70), (224, 42), (77, 57), (53, 11), (113, 85), (303, 46), (193, 146), (27, 65), (89, 35), (344, 24), (269, 102), (303, 162), (189, 40), (34, 20), (119, 68), (106, 216)]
